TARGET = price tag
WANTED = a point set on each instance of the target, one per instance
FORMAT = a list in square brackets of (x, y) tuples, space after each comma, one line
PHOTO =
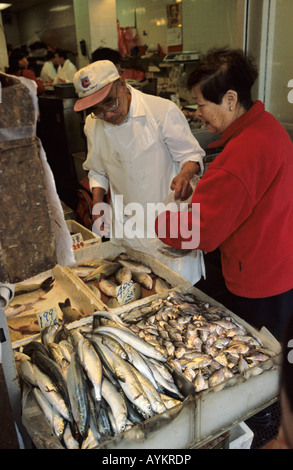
[(77, 241), (125, 293), (47, 318)]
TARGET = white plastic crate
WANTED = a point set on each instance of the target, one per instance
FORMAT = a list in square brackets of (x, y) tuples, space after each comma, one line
[(241, 437)]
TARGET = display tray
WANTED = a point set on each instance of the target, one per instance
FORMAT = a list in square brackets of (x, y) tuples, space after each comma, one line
[(109, 252), (202, 416), (22, 318)]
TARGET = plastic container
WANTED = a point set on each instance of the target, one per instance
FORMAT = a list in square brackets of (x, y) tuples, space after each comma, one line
[(241, 437)]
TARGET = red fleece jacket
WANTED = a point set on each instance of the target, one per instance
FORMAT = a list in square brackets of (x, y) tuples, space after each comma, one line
[(246, 207)]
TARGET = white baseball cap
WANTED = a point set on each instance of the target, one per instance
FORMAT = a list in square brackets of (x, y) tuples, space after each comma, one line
[(93, 83)]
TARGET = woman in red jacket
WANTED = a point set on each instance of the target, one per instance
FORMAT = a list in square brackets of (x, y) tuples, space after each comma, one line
[(18, 65), (245, 197)]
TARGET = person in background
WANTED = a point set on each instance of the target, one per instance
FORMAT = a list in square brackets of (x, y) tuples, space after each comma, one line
[(245, 197), (66, 69), (138, 146), (106, 53), (49, 72), (18, 65)]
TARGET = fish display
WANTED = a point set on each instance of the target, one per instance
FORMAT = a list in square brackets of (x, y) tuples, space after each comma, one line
[(201, 341), (95, 381), (109, 274)]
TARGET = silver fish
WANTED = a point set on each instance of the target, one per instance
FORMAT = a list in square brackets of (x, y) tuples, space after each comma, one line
[(135, 341), (92, 365), (76, 381), (56, 421), (117, 404)]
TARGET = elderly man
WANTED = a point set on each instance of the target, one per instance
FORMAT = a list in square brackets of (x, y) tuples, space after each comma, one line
[(141, 148)]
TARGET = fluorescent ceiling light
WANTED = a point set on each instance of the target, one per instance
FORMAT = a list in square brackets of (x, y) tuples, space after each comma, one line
[(5, 5), (60, 8)]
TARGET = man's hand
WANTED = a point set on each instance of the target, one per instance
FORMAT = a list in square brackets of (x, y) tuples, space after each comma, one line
[(181, 183)]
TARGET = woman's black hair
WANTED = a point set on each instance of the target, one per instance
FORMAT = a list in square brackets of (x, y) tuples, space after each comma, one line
[(221, 70), (15, 56)]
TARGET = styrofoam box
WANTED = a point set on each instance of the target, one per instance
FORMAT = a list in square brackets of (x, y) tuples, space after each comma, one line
[(241, 437), (88, 236)]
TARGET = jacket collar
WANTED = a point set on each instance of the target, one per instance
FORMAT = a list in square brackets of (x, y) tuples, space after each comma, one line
[(253, 113)]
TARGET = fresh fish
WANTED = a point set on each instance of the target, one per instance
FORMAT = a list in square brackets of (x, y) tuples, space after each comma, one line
[(23, 288), (82, 271), (167, 385), (69, 313), (128, 337), (48, 334), (137, 360), (144, 279), (91, 363), (105, 270), (56, 421), (153, 396), (68, 438), (161, 285), (25, 368), (200, 383), (26, 300), (108, 287), (52, 370), (123, 275), (134, 266), (27, 324), (60, 356), (216, 378), (52, 394), (114, 345), (76, 380), (117, 404), (109, 315)]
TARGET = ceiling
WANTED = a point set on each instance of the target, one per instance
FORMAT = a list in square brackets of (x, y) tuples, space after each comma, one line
[(20, 5)]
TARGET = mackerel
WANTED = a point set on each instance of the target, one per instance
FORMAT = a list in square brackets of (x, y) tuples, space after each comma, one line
[(128, 337)]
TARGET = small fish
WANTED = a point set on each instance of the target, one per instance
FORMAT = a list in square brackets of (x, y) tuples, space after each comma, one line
[(144, 279), (123, 275), (108, 287), (70, 314), (82, 271), (134, 266), (105, 270), (161, 285)]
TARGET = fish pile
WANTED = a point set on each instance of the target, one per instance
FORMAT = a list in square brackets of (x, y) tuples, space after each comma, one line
[(95, 381), (201, 341), (106, 275)]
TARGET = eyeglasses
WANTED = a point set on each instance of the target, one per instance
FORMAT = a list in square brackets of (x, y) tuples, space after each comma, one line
[(111, 107)]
